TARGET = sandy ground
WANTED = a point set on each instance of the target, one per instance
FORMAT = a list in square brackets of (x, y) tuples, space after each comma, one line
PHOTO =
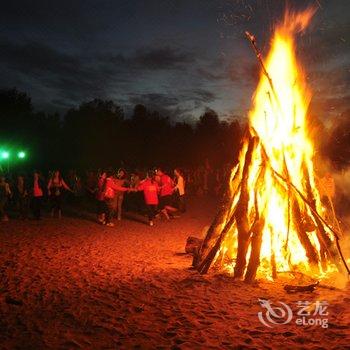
[(72, 284)]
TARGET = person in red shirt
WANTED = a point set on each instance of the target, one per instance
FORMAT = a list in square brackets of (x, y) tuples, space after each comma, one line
[(166, 193), (150, 189), (111, 188), (100, 197)]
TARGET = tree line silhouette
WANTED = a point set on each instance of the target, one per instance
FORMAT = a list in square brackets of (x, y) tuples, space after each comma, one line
[(97, 134)]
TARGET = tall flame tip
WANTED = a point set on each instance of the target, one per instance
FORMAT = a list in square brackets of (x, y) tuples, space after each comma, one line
[(297, 21)]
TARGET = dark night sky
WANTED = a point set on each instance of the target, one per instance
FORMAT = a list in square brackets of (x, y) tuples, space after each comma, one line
[(179, 56)]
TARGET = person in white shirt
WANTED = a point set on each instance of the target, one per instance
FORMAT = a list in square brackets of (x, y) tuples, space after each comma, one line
[(180, 189)]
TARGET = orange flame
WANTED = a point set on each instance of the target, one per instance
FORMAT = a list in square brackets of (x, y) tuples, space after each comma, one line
[(278, 118), (280, 122)]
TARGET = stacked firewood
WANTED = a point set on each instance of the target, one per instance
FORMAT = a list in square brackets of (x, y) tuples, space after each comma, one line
[(235, 215)]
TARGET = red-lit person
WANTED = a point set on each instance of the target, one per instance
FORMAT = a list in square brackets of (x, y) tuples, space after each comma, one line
[(5, 193), (166, 199), (111, 188), (150, 189), (37, 194), (180, 189), (55, 188), (119, 180), (100, 197), (21, 194)]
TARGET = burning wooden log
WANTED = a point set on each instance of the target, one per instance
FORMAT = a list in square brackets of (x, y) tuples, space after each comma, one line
[(257, 228), (215, 228), (241, 212), (269, 221), (310, 250), (254, 260), (203, 267), (334, 250), (295, 289)]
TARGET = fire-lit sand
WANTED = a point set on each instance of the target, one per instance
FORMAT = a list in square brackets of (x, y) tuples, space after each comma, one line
[(72, 284)]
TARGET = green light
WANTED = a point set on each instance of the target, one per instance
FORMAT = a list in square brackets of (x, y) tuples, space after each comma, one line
[(5, 155), (21, 155)]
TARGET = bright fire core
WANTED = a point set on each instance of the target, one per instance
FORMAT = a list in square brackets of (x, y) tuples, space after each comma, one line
[(274, 196), (281, 126)]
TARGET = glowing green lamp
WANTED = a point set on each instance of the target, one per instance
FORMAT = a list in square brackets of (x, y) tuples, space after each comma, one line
[(21, 155), (5, 155)]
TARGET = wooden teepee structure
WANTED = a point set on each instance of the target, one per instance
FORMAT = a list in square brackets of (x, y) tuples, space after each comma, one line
[(270, 218)]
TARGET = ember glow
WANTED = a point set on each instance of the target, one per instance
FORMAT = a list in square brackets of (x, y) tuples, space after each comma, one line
[(272, 221)]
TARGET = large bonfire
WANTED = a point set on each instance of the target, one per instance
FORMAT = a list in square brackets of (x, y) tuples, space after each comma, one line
[(272, 219)]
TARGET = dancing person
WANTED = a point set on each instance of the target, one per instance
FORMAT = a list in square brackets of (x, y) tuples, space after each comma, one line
[(21, 196), (166, 194), (119, 180), (37, 194), (111, 188), (91, 183), (100, 197), (75, 183), (5, 193), (55, 189), (180, 190), (150, 189), (134, 200)]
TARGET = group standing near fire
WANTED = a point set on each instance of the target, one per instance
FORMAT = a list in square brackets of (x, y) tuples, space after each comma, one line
[(156, 194), (161, 194)]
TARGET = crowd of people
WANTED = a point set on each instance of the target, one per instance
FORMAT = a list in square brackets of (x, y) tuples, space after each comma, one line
[(161, 194), (155, 192)]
